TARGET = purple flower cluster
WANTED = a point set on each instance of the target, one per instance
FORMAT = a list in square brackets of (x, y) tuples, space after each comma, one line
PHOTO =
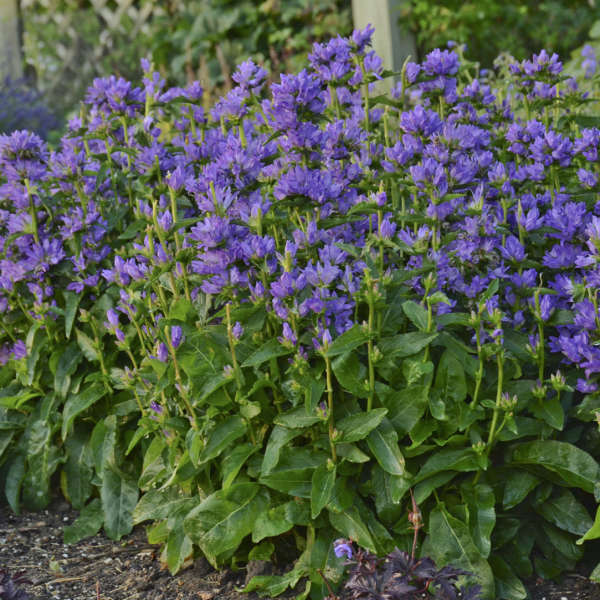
[(288, 199)]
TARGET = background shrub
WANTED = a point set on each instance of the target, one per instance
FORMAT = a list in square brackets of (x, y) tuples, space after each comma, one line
[(23, 107), (491, 27), (68, 42)]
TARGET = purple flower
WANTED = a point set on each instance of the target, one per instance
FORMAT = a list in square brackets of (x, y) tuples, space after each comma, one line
[(288, 335), (441, 62), (343, 547), (113, 317), (157, 408), (587, 178), (162, 352), (19, 350), (590, 64), (586, 387), (362, 37), (249, 76), (513, 249), (237, 330), (176, 336), (165, 220)]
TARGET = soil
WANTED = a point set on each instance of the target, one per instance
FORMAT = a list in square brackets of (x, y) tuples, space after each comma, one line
[(101, 569)]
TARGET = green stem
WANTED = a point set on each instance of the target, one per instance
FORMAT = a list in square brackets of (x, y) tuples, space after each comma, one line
[(179, 380), (370, 349), (330, 408), (32, 212), (100, 354), (492, 432)]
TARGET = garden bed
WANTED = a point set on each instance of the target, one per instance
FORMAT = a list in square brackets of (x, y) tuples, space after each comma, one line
[(101, 568)]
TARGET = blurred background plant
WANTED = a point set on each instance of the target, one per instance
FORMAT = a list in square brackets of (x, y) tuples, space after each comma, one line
[(23, 107), (67, 43), (489, 27)]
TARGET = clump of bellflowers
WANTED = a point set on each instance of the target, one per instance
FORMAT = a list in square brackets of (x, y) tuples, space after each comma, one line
[(269, 319)]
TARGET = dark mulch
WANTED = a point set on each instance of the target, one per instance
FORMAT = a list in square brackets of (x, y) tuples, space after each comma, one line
[(100, 569)]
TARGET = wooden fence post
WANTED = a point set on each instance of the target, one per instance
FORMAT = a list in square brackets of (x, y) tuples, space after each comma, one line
[(11, 63), (391, 41)]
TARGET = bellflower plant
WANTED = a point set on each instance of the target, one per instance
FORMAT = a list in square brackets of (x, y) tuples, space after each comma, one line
[(284, 320)]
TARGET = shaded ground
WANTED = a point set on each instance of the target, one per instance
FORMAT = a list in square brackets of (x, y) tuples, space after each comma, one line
[(100, 569)]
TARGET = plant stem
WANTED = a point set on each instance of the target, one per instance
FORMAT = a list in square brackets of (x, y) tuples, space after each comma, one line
[(370, 349), (330, 408)]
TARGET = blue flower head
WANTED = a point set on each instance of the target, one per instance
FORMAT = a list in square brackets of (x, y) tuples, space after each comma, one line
[(343, 547)]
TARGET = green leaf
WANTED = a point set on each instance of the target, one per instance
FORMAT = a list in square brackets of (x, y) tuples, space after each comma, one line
[(351, 525), (67, 364), (480, 501), (221, 437), (518, 484), (566, 512), (262, 551), (155, 504), (425, 488), (71, 304), (358, 426), (87, 524), (573, 465), (75, 405), (563, 542), (405, 344), (87, 345), (549, 410), (385, 490), (15, 402), (349, 340), (464, 459), (13, 482), (119, 496), (102, 443), (271, 349), (6, 438), (450, 378), (351, 453), (179, 547), (296, 418), (42, 458), (223, 519), (508, 585), (449, 543), (234, 461), (383, 443), (182, 310), (279, 438), (323, 480), (312, 394), (78, 470), (293, 473), (350, 373), (275, 521), (594, 531), (154, 465), (416, 313)]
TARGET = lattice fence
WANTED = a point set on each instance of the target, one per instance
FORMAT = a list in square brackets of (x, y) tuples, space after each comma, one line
[(69, 42)]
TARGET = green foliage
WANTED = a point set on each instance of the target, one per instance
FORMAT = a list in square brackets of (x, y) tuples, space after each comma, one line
[(68, 43), (491, 27)]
